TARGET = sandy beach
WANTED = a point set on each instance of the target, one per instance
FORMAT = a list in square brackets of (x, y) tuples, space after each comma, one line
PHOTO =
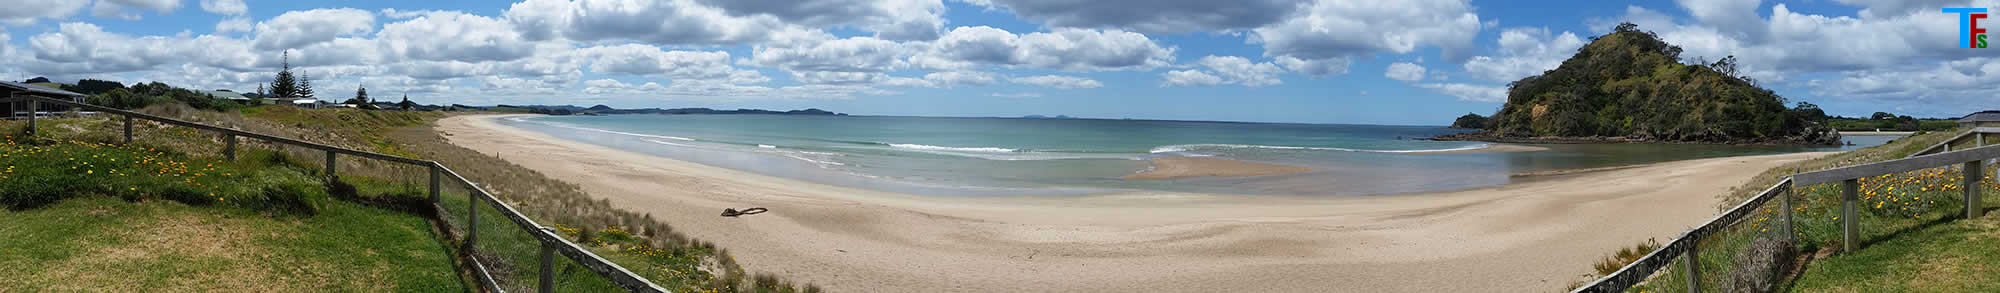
[(1528, 237)]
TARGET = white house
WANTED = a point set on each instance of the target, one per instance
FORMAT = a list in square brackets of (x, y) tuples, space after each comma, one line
[(299, 102)]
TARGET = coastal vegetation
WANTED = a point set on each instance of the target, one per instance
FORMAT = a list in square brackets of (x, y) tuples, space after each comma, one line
[(1885, 121), (1629, 85), (1469, 121)]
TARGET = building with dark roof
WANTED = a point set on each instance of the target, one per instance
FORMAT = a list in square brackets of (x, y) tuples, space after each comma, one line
[(1988, 118), (12, 94)]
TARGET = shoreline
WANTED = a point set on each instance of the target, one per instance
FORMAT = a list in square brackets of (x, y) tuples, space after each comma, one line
[(1877, 133), (1532, 236)]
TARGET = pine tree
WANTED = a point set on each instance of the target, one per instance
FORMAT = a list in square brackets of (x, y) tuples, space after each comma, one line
[(360, 96), (406, 104), (305, 86), (260, 90), (284, 86)]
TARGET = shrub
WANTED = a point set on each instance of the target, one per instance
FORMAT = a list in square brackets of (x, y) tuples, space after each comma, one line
[(42, 172), (1761, 266)]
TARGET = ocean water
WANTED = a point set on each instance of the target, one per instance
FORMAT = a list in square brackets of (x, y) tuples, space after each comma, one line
[(1006, 156)]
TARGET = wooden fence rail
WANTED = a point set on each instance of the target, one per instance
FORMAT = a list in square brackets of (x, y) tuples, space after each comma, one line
[(1686, 244), (551, 243)]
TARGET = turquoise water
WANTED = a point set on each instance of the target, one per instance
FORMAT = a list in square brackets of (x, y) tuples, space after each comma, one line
[(1004, 156)]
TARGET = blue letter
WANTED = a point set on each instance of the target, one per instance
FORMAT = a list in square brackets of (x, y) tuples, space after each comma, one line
[(1965, 24)]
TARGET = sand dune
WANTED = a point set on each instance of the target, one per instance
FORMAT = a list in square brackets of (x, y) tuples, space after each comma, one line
[(1535, 236)]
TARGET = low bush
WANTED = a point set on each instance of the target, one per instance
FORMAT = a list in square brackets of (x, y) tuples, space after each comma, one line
[(39, 172)]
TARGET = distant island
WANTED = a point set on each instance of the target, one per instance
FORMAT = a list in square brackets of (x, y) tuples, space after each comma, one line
[(1630, 86), (1046, 117), (605, 110)]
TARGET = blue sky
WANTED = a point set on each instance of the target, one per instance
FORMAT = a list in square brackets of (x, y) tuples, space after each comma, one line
[(1418, 62)]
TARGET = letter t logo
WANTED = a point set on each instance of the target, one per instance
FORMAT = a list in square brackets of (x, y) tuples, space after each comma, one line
[(1968, 25)]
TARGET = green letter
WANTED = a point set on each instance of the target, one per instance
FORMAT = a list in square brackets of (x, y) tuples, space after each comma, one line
[(1982, 41)]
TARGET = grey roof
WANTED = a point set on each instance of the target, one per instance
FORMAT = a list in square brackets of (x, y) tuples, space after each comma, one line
[(38, 89), (1982, 116), (227, 95)]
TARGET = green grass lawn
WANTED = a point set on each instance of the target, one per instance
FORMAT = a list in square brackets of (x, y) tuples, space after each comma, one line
[(94, 243), (1949, 256)]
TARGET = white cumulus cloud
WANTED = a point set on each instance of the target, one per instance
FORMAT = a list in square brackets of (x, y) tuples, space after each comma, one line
[(1189, 78), (1404, 71), (225, 7), (1057, 81), (1469, 92), (302, 28)]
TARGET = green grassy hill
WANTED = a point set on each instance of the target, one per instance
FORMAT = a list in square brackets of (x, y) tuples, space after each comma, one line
[(1629, 83)]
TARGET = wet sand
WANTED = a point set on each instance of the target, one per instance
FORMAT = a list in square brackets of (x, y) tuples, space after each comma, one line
[(1184, 167), (1528, 237)]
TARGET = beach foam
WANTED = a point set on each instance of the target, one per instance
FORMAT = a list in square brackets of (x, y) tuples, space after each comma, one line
[(666, 143), (958, 149)]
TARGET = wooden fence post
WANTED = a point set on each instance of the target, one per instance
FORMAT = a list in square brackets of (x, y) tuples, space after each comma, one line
[(1785, 203), (331, 169), (548, 267), (33, 110), (1971, 187), (472, 216), (1693, 265), (128, 129), (434, 181), (229, 147), (1849, 192)]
